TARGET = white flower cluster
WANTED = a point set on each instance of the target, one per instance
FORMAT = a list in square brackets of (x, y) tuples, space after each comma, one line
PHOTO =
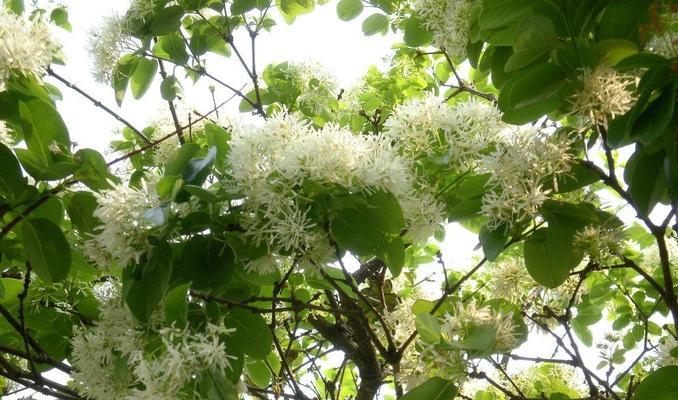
[(546, 379), (509, 280), (26, 46), (468, 317), (519, 167), (604, 94), (110, 361), (271, 164), (123, 235), (664, 356), (450, 21), (107, 43), (601, 244), (6, 136), (318, 87), (430, 127)]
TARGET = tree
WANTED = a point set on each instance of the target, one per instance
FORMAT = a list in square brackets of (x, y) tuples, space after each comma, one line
[(284, 259)]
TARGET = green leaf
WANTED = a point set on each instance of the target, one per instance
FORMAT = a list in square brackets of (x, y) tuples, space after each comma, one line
[(170, 88), (176, 306), (60, 18), (93, 170), (428, 328), (252, 336), (375, 23), (11, 179), (259, 373), (415, 33), (394, 255), (433, 389), (180, 159), (165, 21), (622, 18), (643, 173), (657, 116), (171, 47), (206, 262), (534, 37), (142, 76), (349, 9), (81, 206), (497, 13), (543, 262), (47, 249), (121, 75), (492, 241), (659, 385), (43, 126), (17, 6), (532, 93), (143, 286), (242, 6), (480, 342)]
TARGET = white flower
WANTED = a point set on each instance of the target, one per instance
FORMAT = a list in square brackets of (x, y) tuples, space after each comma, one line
[(125, 229), (317, 86), (163, 151), (111, 361), (26, 46), (107, 44), (664, 356), (519, 167), (509, 280), (429, 126), (450, 21), (270, 165), (468, 317), (600, 243), (423, 214), (6, 136), (604, 94)]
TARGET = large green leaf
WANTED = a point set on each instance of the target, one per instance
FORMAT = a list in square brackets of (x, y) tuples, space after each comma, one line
[(11, 178), (532, 93), (433, 389), (492, 241), (375, 23), (143, 76), (144, 285), (497, 13), (659, 385), (206, 262), (622, 18), (349, 9), (47, 249), (534, 37), (252, 336), (428, 328), (81, 206)]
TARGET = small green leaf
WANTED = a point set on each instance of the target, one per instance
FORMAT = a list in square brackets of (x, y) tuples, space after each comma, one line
[(47, 249), (433, 389), (375, 23), (176, 306), (170, 88), (492, 241), (252, 336), (60, 18), (165, 21), (349, 9), (81, 206), (428, 328), (142, 76)]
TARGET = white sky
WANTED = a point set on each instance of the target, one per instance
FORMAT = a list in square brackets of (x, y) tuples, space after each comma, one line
[(340, 46)]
